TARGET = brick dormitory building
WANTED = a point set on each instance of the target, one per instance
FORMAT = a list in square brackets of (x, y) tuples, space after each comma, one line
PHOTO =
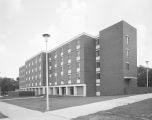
[(86, 65)]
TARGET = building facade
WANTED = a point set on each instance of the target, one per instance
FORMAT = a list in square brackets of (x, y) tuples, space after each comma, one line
[(86, 65)]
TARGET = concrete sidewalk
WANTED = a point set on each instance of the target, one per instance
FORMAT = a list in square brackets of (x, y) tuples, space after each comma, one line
[(82, 110), (20, 113)]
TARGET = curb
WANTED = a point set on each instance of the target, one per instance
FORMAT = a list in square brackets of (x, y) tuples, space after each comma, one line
[(5, 119)]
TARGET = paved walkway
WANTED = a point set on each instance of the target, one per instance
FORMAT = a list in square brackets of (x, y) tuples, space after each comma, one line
[(19, 113)]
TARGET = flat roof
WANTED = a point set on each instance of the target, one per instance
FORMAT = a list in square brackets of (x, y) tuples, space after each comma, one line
[(73, 38)]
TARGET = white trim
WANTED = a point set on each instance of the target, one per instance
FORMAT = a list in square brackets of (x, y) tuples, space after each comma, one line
[(97, 84), (97, 93), (98, 69), (74, 38), (97, 46), (130, 77), (98, 58), (68, 85), (97, 80), (39, 53)]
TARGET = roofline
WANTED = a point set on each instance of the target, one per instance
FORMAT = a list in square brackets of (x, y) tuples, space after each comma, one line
[(73, 38), (22, 66), (83, 33), (35, 55)]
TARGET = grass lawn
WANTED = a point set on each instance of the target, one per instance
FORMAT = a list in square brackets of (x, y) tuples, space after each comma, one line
[(137, 111), (57, 102), (2, 116)]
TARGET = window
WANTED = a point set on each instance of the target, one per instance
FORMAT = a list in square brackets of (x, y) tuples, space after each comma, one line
[(39, 67), (61, 68), (61, 59), (69, 77), (50, 58), (97, 64), (40, 59), (35, 61), (78, 53), (127, 39), (55, 65), (127, 65), (69, 50), (68, 57), (39, 75), (61, 49), (78, 42), (97, 42), (78, 64), (68, 47), (97, 75), (69, 67), (49, 67), (127, 52), (55, 54), (78, 76), (97, 53), (50, 75), (55, 70)]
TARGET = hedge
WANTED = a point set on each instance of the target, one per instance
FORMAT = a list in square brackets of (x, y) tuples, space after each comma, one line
[(26, 93)]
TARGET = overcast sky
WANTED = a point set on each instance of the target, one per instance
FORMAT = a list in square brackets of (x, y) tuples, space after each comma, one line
[(22, 23)]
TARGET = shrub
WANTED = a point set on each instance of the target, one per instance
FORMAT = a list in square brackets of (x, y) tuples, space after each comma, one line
[(26, 93)]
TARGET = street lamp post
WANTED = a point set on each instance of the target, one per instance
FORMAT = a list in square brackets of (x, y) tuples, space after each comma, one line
[(147, 71), (46, 36)]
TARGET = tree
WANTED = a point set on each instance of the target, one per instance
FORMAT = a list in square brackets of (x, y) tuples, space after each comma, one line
[(16, 83), (142, 76), (7, 84)]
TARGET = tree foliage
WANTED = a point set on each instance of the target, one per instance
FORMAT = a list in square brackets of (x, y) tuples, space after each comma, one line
[(142, 76), (8, 84)]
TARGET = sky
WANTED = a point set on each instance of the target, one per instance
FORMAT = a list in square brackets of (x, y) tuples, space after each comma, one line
[(22, 23)]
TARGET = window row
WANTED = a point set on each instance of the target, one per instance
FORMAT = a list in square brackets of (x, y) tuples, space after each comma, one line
[(69, 76), (55, 56), (33, 70), (62, 71), (61, 64), (33, 62), (33, 84), (33, 77)]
